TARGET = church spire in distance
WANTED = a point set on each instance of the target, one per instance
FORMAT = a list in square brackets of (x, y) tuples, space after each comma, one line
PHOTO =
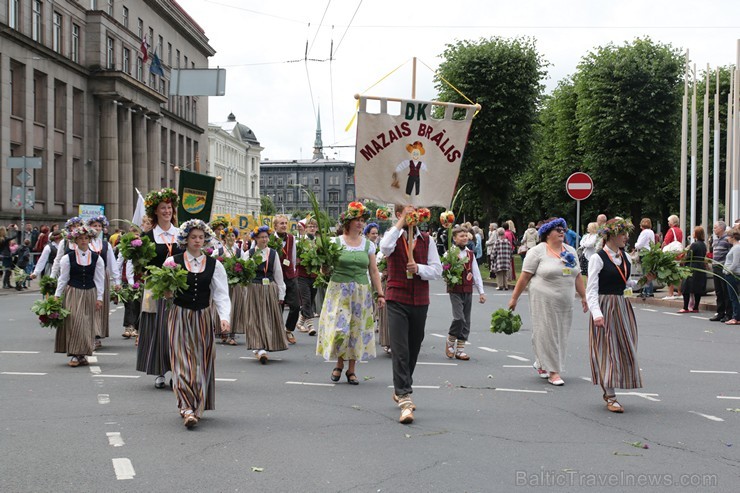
[(318, 146)]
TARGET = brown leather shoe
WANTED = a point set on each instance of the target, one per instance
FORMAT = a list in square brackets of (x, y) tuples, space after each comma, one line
[(291, 338), (449, 349), (395, 399), (612, 404), (74, 362), (83, 361)]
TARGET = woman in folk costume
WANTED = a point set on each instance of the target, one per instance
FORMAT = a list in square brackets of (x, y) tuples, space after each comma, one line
[(218, 226), (48, 254), (237, 293), (264, 318), (347, 325), (612, 328), (153, 355), (81, 281), (189, 324), (100, 246), (66, 245)]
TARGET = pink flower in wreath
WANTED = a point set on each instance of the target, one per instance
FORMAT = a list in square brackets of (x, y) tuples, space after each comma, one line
[(136, 285)]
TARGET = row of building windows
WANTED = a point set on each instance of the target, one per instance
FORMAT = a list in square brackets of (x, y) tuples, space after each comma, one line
[(333, 180), (289, 197)]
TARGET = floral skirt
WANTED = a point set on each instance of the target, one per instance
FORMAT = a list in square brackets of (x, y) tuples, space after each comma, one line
[(346, 325)]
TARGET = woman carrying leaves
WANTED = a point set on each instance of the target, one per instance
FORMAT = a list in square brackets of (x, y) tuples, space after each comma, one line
[(347, 325), (264, 317), (153, 355), (552, 268), (237, 292), (190, 328), (613, 328), (82, 283)]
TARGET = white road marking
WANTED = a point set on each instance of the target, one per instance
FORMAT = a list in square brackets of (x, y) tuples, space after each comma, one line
[(708, 416), (226, 379), (518, 358), (648, 310), (421, 386), (92, 359), (104, 354), (588, 379), (437, 364), (117, 376), (675, 314), (311, 384), (517, 366), (19, 352), (95, 370), (124, 469), (715, 371), (103, 398), (445, 337), (490, 350), (650, 397), (522, 390), (699, 318), (114, 439), (20, 373), (727, 397)]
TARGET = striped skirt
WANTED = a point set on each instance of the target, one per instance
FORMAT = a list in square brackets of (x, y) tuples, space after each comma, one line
[(77, 336), (614, 348), (153, 351), (238, 296), (192, 358), (102, 317), (264, 319)]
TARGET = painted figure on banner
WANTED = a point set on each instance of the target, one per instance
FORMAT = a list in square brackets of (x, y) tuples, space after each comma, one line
[(415, 166)]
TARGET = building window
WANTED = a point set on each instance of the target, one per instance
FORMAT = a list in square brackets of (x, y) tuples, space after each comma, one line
[(269, 181), (141, 29), (160, 46), (110, 8), (152, 82), (127, 61), (162, 88), (110, 48), (125, 17), (333, 196), (185, 58), (262, 182), (17, 89), (279, 197), (280, 181), (192, 64), (304, 181), (56, 34), (75, 43), (289, 196), (315, 180), (350, 195), (77, 102), (195, 111), (60, 105), (14, 10), (39, 98), (139, 69), (187, 108), (36, 24), (151, 36), (169, 54)]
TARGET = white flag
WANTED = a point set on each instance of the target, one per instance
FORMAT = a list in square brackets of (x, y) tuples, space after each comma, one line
[(140, 209)]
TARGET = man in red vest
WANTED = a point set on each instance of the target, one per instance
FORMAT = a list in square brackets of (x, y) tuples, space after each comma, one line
[(461, 298), (407, 302), (288, 261)]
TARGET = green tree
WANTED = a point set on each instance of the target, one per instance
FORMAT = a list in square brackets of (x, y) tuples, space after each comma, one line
[(505, 77), (267, 207), (628, 116)]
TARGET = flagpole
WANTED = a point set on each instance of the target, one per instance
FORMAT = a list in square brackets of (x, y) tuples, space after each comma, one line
[(735, 140), (705, 158), (715, 195), (684, 145), (694, 135), (729, 202), (413, 79)]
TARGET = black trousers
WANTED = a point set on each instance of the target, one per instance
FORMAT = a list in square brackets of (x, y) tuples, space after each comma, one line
[(131, 314), (406, 328), (306, 293), (292, 301), (724, 306), (412, 183)]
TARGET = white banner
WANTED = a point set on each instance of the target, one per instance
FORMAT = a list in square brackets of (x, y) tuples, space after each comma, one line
[(410, 158)]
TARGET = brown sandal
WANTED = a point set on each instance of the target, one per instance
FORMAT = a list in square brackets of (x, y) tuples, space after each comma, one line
[(612, 404)]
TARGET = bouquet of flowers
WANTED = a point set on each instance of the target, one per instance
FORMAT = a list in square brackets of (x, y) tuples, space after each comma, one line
[(169, 278), (48, 286), (382, 262), (127, 294), (240, 271), (19, 276), (505, 321), (51, 312), (382, 214), (447, 219), (424, 214), (663, 264), (412, 218), (453, 266), (140, 250)]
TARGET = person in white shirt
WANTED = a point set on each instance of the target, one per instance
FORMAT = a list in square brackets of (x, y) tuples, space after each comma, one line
[(645, 241), (461, 298), (48, 254), (189, 322), (81, 282), (100, 246), (589, 243)]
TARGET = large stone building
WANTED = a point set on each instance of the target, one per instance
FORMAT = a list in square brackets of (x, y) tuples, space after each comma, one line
[(234, 156), (332, 181), (77, 92)]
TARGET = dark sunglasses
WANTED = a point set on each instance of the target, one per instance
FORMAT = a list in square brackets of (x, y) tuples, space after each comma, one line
[(560, 230)]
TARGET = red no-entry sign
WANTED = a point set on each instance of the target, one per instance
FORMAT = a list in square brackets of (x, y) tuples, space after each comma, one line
[(579, 186)]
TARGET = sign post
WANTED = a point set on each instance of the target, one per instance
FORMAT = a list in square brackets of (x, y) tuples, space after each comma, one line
[(579, 186), (26, 199)]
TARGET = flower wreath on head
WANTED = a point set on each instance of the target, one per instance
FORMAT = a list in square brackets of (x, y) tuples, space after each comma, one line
[(73, 221), (355, 210), (261, 229), (190, 225), (617, 226), (220, 222), (230, 230), (82, 230), (555, 223), (156, 197), (99, 219)]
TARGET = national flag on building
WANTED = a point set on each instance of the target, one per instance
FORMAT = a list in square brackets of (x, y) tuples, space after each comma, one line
[(156, 66), (144, 49)]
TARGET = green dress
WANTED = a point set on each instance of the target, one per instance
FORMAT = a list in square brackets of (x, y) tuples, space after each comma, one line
[(346, 325)]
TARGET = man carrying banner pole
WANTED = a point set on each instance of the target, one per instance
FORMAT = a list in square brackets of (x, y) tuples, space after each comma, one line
[(407, 300)]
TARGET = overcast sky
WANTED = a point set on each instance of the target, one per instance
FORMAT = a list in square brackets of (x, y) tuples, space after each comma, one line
[(255, 38)]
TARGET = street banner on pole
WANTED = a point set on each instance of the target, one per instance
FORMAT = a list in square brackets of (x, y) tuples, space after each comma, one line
[(196, 196), (410, 158)]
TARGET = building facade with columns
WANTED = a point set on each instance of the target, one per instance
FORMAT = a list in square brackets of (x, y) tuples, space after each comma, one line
[(78, 92), (234, 155)]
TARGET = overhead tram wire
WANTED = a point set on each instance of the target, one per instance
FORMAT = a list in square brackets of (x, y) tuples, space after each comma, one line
[(331, 85), (348, 26), (255, 12), (321, 23), (308, 75)]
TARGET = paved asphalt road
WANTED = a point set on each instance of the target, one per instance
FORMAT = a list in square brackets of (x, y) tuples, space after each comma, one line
[(488, 424)]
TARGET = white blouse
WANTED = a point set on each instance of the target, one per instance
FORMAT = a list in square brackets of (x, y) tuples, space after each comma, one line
[(219, 283), (84, 258), (44, 258), (96, 245)]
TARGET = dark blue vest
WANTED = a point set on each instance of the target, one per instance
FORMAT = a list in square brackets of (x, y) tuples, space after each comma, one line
[(261, 267)]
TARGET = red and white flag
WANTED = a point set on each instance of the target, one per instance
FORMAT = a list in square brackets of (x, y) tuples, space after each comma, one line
[(144, 49)]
